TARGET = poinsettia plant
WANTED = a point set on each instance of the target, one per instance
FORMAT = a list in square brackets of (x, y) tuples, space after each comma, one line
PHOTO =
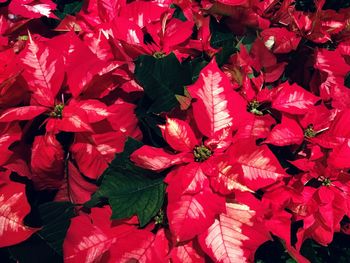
[(174, 131)]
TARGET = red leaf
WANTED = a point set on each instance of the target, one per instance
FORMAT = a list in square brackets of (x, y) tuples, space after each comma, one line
[(254, 126), (176, 32), (339, 157), (274, 72), (88, 158), (74, 120), (221, 140), (95, 110), (280, 40), (279, 224), (293, 99), (331, 62), (186, 253), (179, 135), (188, 179), (259, 165), (108, 9), (127, 31), (226, 179), (184, 101), (156, 159), (18, 166), (89, 238), (9, 133), (338, 132), (109, 143), (68, 23), (286, 133), (214, 105), (324, 59), (79, 74), (319, 116), (13, 208), (122, 118), (344, 48), (9, 73), (98, 44), (142, 13), (334, 66), (262, 56), (47, 162), (32, 9), (43, 72), (21, 113), (190, 215), (131, 86), (77, 190), (140, 246), (233, 2), (235, 236)]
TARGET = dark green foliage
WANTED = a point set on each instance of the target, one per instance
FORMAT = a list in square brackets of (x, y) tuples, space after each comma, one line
[(309, 5), (305, 5), (272, 252), (178, 13), (162, 79), (337, 251), (129, 189), (347, 80), (46, 244), (336, 4), (222, 38), (67, 7)]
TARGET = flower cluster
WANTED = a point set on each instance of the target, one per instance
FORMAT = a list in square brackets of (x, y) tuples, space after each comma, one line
[(172, 130)]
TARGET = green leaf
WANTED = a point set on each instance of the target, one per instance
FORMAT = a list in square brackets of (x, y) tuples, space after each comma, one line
[(222, 38), (6, 3), (46, 244), (149, 122), (161, 79), (220, 34), (130, 190), (56, 219), (132, 194), (309, 5), (337, 251), (69, 7), (272, 251), (305, 5), (224, 54), (314, 253), (63, 8), (152, 79), (248, 40), (336, 4), (5, 256), (347, 80), (195, 66), (178, 13)]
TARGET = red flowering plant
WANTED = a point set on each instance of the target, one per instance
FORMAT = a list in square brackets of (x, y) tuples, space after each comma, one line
[(174, 131)]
